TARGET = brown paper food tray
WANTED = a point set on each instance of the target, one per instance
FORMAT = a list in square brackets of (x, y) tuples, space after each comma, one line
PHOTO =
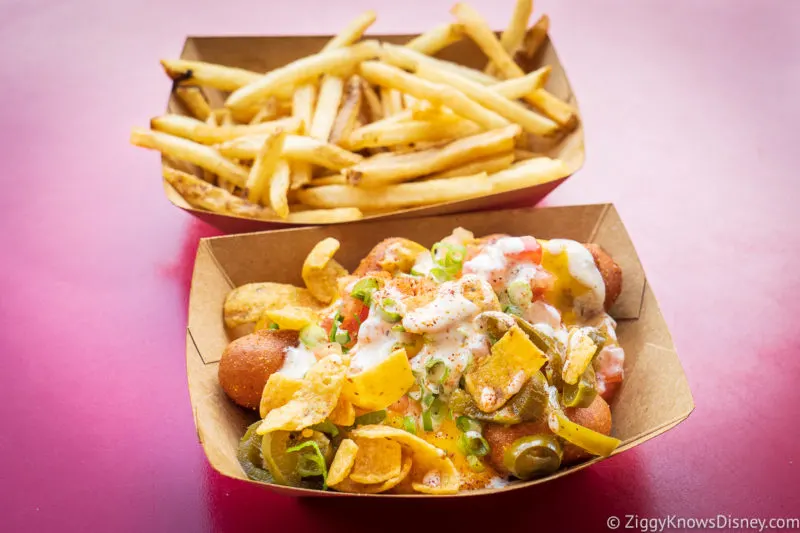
[(654, 397), (261, 54)]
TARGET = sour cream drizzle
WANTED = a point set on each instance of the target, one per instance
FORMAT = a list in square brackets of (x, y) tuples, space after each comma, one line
[(297, 362)]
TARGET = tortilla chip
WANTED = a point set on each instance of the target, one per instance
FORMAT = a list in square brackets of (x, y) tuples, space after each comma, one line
[(348, 485), (277, 392), (426, 458), (246, 304), (495, 379), (292, 317), (342, 462), (321, 272), (378, 460), (380, 386), (344, 414), (313, 401)]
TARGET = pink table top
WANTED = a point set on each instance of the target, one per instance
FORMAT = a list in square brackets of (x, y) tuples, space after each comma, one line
[(691, 117)]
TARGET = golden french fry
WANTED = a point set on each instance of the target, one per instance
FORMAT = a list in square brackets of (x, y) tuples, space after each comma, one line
[(522, 155), (330, 96), (296, 148), (208, 74), (264, 167), (409, 101), (490, 165), (478, 29), (203, 195), (529, 173), (352, 32), (336, 61), (514, 34), (397, 196), (303, 101), (553, 107), (381, 170), (391, 101), (211, 120), (269, 111), (411, 131), (225, 118), (406, 58), (438, 94), (195, 102), (536, 35), (436, 38), (279, 188), (516, 88), (530, 121), (336, 179), (185, 150), (349, 111), (324, 216), (373, 102), (195, 130)]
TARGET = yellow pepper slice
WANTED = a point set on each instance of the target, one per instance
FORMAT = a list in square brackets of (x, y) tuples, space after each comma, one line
[(581, 436)]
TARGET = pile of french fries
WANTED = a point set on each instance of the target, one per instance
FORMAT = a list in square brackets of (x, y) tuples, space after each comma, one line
[(364, 127)]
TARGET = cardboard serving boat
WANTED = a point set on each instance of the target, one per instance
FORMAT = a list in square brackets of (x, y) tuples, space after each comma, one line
[(654, 397), (261, 54)]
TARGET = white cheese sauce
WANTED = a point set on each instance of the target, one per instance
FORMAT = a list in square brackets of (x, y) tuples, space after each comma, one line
[(583, 269), (376, 342), (448, 308), (297, 362)]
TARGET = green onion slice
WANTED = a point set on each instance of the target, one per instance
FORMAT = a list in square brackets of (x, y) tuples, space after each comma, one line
[(311, 463)]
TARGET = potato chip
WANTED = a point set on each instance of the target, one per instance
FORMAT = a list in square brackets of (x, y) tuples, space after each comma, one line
[(344, 414), (292, 317), (426, 458), (278, 390), (342, 462), (381, 385), (246, 304), (313, 401), (496, 378), (348, 485), (377, 460), (321, 271)]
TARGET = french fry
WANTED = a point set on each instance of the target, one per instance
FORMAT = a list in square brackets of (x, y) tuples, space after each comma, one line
[(444, 95), (523, 155), (516, 88), (391, 102), (264, 166), (536, 35), (330, 96), (268, 111), (211, 120), (195, 102), (195, 130), (529, 173), (336, 179), (331, 62), (411, 131), (404, 57), (409, 101), (303, 101), (397, 196), (199, 193), (225, 118), (553, 107), (490, 165), (345, 121), (514, 34), (530, 121), (279, 188), (295, 147), (325, 216), (352, 32), (381, 170), (477, 28), (185, 150), (208, 74), (436, 38), (373, 102)]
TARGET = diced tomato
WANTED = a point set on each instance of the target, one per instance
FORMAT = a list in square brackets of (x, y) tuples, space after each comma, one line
[(532, 252), (353, 313)]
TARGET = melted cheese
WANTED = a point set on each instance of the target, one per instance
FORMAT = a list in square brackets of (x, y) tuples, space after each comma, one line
[(579, 290)]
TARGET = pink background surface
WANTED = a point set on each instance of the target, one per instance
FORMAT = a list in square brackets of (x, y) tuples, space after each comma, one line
[(691, 117)]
